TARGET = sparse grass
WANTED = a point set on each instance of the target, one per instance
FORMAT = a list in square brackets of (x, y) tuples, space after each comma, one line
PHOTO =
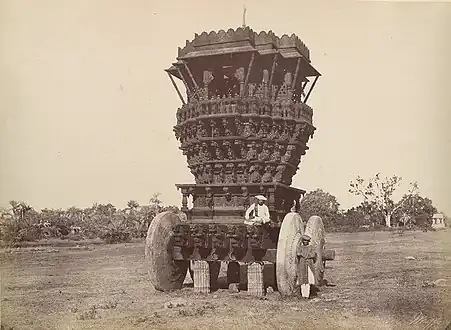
[(107, 305), (106, 287), (153, 319), (90, 314)]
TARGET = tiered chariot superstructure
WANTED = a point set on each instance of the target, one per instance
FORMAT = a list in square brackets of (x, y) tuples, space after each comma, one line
[(243, 128)]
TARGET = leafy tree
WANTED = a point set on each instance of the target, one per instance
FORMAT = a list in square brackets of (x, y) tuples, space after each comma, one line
[(423, 220), (364, 214), (320, 203), (414, 205), (380, 191), (374, 214), (354, 217), (155, 201), (132, 205), (75, 214), (57, 223), (148, 212), (20, 209), (22, 224)]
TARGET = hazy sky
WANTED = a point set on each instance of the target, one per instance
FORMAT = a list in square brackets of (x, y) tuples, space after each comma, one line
[(87, 110)]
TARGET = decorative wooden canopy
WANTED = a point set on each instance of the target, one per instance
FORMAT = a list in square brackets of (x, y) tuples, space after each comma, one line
[(245, 124)]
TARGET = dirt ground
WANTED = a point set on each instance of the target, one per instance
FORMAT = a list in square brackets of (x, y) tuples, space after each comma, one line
[(375, 286)]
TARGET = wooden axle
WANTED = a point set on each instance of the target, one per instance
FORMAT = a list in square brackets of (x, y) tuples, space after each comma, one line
[(328, 255)]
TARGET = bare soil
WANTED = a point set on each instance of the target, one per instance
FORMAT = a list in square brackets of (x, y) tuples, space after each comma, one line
[(106, 287)]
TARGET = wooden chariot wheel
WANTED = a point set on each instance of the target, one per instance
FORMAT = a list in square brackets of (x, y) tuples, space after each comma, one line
[(291, 230), (315, 229), (165, 273)]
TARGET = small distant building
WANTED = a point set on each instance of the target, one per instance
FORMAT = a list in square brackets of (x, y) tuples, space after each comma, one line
[(438, 221)]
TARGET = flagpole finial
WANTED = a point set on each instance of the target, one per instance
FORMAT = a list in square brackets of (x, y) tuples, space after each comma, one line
[(244, 17)]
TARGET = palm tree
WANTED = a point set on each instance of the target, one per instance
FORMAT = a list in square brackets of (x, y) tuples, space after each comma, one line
[(132, 206)]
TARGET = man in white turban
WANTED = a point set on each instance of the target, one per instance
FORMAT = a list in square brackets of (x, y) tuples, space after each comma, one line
[(306, 277), (257, 213)]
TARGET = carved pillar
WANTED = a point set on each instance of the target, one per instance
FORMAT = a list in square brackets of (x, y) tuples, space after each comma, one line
[(208, 77), (239, 74), (213, 128), (272, 88), (184, 200), (255, 279), (209, 196), (288, 79), (246, 80), (271, 198), (201, 280), (265, 82), (245, 194)]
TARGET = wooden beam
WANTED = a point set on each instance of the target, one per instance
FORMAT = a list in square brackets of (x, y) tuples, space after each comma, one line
[(303, 84), (176, 88), (274, 62), (183, 79), (311, 88), (270, 255), (246, 81), (296, 73), (191, 75)]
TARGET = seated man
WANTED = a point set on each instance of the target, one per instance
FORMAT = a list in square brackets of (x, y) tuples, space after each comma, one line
[(257, 213)]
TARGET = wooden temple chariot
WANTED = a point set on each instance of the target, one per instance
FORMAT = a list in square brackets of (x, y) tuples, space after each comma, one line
[(243, 128)]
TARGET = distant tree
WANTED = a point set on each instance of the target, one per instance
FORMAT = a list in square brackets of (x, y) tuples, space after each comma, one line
[(56, 222), (380, 192), (146, 213), (374, 214), (155, 200), (446, 218), (105, 209), (132, 205), (367, 213), (413, 206), (354, 217), (20, 209), (423, 220), (75, 214), (320, 203), (363, 214), (5, 212), (21, 222)]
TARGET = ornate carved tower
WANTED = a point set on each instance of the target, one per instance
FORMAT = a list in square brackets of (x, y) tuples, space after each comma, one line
[(245, 124)]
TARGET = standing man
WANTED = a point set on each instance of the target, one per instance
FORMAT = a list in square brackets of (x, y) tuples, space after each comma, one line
[(257, 213), (307, 257)]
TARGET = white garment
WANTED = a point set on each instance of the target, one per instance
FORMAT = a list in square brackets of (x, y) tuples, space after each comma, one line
[(305, 288), (263, 213), (311, 276)]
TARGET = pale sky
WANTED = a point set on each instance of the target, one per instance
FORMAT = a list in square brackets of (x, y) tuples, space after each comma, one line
[(87, 110)]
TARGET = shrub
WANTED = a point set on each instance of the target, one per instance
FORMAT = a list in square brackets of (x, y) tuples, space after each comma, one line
[(14, 230), (115, 235)]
